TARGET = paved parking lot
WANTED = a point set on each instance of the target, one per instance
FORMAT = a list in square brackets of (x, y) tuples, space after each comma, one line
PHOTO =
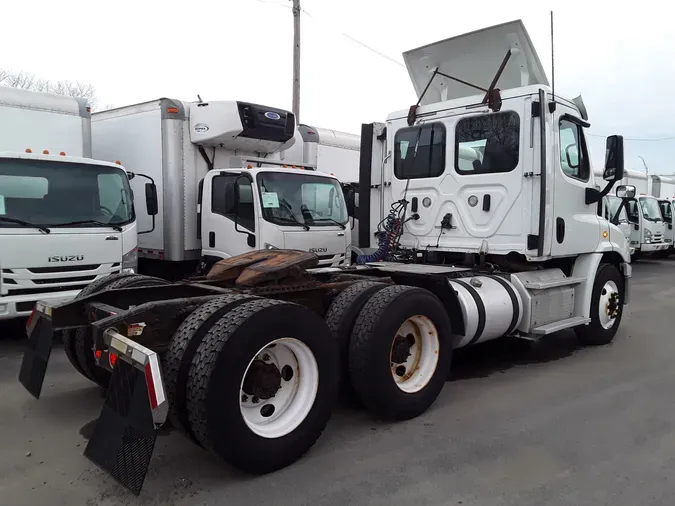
[(515, 425)]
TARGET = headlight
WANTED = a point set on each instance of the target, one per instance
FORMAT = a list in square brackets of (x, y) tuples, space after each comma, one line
[(270, 246), (130, 262)]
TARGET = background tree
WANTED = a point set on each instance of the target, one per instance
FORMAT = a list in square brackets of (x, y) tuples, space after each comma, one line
[(29, 81)]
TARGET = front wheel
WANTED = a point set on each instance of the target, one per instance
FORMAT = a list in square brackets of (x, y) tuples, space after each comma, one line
[(606, 307)]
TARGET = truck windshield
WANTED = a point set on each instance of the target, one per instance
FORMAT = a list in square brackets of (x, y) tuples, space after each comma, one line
[(650, 209), (52, 194), (301, 199)]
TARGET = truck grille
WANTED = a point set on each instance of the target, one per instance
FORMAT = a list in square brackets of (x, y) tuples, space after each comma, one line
[(657, 237), (37, 281), (69, 268)]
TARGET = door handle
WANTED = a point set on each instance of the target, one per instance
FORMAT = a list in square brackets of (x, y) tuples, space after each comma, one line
[(212, 239), (413, 207), (486, 202), (559, 230)]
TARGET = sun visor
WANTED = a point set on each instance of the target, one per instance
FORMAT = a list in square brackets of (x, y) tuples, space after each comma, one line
[(475, 58)]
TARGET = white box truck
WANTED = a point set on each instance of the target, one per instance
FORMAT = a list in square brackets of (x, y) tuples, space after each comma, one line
[(65, 219), (649, 229), (253, 353), (197, 154)]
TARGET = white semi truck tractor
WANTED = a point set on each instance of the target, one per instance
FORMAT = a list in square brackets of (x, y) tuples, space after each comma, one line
[(504, 240), (66, 220)]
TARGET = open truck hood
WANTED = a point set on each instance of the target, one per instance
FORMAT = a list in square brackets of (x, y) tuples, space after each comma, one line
[(475, 57)]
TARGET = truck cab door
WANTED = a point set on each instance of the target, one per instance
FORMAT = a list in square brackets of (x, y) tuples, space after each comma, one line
[(576, 227), (228, 228), (667, 213), (635, 219)]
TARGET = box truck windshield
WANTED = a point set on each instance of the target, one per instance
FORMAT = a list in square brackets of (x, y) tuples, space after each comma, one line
[(58, 194), (650, 209), (301, 199)]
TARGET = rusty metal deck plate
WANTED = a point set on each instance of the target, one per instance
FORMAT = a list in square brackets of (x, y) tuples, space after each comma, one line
[(262, 266)]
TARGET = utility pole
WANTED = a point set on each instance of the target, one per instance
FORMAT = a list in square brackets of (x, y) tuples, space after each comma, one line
[(645, 164), (296, 60)]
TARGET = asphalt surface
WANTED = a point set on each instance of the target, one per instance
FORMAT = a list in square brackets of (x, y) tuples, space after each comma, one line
[(550, 424)]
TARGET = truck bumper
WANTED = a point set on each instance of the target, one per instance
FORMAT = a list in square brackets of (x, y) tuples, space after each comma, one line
[(18, 306), (652, 247)]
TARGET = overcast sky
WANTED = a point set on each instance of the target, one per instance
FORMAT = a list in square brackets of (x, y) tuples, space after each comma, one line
[(620, 60)]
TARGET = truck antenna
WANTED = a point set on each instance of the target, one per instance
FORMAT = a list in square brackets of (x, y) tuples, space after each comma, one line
[(552, 104), (199, 98)]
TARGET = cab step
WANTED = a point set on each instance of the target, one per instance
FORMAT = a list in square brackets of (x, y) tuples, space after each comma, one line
[(554, 283), (550, 328)]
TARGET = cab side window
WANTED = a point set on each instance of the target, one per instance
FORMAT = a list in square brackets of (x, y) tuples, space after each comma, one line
[(487, 143), (573, 152), (244, 213), (419, 151), (633, 212), (666, 211)]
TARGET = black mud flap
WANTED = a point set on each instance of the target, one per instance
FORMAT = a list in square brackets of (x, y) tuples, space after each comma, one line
[(124, 436), (36, 356)]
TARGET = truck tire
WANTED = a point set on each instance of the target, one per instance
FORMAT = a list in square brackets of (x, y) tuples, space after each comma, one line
[(84, 341), (176, 363), (400, 329), (340, 318), (68, 336), (262, 385), (606, 307)]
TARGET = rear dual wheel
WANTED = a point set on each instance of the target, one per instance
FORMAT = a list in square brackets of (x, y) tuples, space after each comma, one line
[(395, 344), (400, 352), (256, 383)]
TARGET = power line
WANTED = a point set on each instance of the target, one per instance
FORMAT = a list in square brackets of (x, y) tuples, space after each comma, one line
[(354, 39), (639, 139)]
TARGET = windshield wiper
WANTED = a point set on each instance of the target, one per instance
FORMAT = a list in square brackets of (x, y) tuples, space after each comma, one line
[(341, 225), (41, 228), (116, 228), (295, 220)]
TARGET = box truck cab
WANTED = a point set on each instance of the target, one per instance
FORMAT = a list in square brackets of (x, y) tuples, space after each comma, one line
[(272, 208), (648, 234), (65, 219)]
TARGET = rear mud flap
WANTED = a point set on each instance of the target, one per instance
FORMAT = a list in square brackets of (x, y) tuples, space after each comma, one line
[(36, 356), (124, 436)]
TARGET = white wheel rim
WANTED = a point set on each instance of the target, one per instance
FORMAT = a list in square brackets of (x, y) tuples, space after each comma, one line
[(415, 372), (286, 409), (608, 308)]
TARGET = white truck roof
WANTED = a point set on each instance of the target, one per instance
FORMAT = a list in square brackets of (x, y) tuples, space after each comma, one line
[(37, 100), (58, 158)]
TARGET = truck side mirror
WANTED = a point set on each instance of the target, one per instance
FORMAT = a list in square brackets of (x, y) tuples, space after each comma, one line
[(151, 199), (613, 158), (625, 191), (349, 192)]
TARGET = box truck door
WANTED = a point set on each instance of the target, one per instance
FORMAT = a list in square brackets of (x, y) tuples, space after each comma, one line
[(228, 215)]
